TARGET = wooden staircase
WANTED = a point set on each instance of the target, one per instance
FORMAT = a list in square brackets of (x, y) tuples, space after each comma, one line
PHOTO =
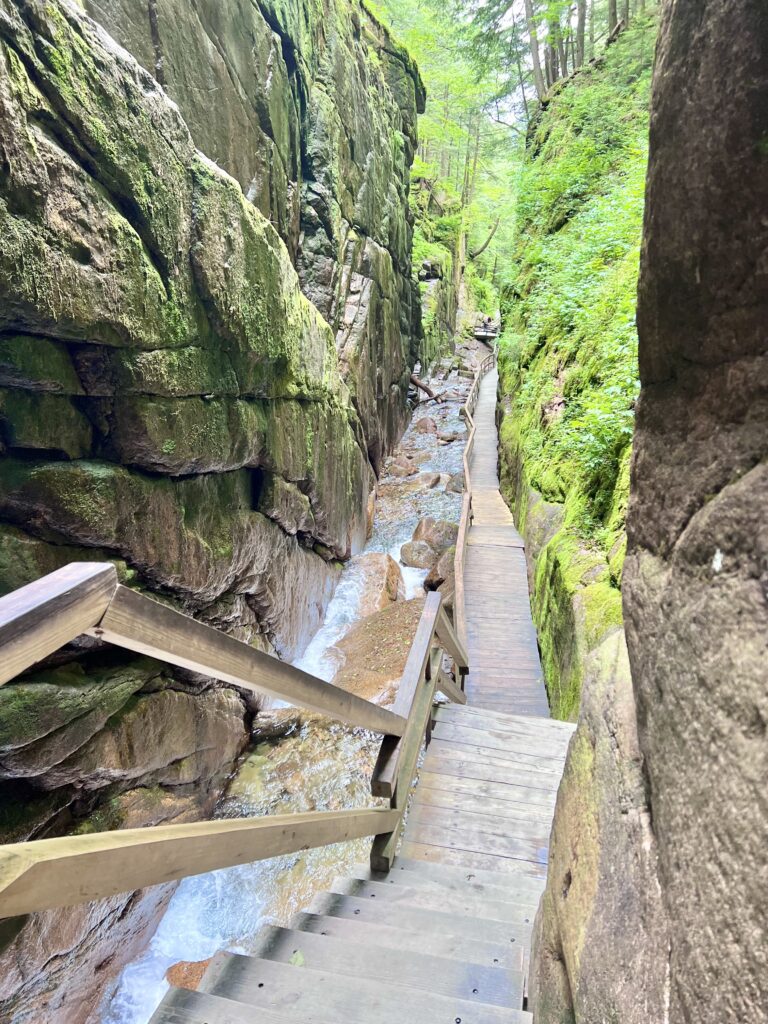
[(444, 936), (437, 928)]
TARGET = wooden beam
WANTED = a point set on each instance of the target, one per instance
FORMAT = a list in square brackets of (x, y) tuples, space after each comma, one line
[(135, 621), (450, 642), (412, 680), (38, 619), (66, 871), (384, 846), (448, 687), (458, 566)]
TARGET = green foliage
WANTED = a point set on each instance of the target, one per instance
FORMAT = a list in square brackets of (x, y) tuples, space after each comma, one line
[(482, 293), (464, 171), (569, 352)]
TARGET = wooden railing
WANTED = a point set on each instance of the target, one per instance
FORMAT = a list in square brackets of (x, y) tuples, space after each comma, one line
[(467, 413), (86, 598)]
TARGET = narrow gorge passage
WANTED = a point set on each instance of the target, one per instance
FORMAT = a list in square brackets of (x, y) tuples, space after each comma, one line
[(505, 668), (305, 718)]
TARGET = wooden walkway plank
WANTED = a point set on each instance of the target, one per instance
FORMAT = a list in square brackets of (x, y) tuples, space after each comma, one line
[(505, 668)]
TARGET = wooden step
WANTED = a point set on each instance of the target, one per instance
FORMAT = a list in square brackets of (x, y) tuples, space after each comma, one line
[(500, 739), (534, 814), (514, 759), (471, 762), (502, 956), (182, 1006), (481, 789), (489, 772), (470, 859), (439, 975), (325, 997), (468, 903), (452, 818), (514, 889), (551, 727), (470, 838), (419, 920)]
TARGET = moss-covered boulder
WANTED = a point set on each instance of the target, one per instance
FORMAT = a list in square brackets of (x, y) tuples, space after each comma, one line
[(203, 359)]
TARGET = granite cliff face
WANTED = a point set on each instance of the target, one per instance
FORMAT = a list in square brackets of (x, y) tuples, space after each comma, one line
[(311, 107), (655, 905), (201, 365)]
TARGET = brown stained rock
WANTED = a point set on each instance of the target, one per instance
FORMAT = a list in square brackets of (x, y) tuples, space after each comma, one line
[(402, 466), (438, 533), (375, 651), (442, 571), (187, 974), (382, 581), (275, 723), (426, 425), (429, 480), (55, 971), (695, 587), (417, 554), (655, 907), (370, 515), (602, 905)]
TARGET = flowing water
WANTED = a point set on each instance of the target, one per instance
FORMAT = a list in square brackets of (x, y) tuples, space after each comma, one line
[(318, 766)]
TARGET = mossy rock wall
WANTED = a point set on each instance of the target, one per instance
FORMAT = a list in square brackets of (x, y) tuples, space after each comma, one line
[(203, 359), (315, 117)]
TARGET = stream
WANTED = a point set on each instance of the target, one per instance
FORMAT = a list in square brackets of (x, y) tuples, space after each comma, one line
[(316, 766)]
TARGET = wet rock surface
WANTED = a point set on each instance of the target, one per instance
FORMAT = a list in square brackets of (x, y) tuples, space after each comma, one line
[(320, 135), (169, 396)]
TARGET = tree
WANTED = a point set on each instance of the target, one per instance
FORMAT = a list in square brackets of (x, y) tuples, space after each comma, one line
[(580, 31), (530, 22), (613, 15)]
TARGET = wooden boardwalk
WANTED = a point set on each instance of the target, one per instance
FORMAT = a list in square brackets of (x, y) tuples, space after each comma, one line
[(445, 934), (505, 668)]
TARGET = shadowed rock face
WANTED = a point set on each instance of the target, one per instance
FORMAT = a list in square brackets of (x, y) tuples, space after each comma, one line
[(655, 906), (202, 359), (696, 588)]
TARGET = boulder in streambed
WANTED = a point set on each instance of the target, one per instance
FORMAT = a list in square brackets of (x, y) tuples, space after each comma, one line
[(417, 554), (426, 425), (403, 468), (438, 533), (442, 571), (375, 650), (382, 581), (456, 484), (429, 480)]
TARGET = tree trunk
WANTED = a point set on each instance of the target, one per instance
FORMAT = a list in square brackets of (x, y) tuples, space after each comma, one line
[(591, 29), (538, 77), (625, 13), (580, 26), (613, 15), (474, 253), (518, 61), (562, 49)]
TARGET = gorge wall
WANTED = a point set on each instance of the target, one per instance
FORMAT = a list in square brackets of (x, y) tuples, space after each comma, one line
[(207, 325), (655, 902)]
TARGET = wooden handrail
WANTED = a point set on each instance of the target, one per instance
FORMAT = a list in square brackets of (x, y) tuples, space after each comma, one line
[(38, 619), (467, 412), (135, 621), (86, 598), (422, 676), (65, 871)]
